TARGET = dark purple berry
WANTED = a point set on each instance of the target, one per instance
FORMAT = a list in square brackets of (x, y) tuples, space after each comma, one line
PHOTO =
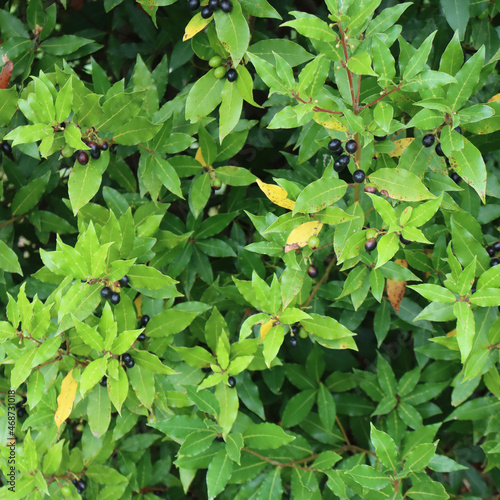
[(130, 363), (439, 149), (380, 138), (206, 369), (124, 282), (213, 4), (126, 357), (335, 145), (194, 4), (455, 177), (106, 292), (473, 289), (231, 75), (371, 244), (458, 129), (428, 140), (115, 298), (82, 158), (21, 412), (491, 251), (104, 381), (206, 12), (494, 262), (496, 246), (312, 271), (351, 146), (231, 381), (104, 146), (337, 166), (141, 337), (82, 485), (226, 6), (145, 320), (6, 148), (293, 342), (344, 160), (404, 241), (358, 176), (295, 328)]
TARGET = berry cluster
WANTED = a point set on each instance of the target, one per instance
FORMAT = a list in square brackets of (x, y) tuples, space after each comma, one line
[(82, 157), (114, 297), (220, 70), (213, 5), (351, 146), (127, 359), (295, 329), (144, 321), (492, 251), (80, 485)]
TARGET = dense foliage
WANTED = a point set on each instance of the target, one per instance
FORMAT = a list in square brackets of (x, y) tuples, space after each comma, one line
[(249, 250)]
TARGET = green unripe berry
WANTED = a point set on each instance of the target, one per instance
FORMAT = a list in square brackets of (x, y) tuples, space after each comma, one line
[(371, 233), (215, 61), (303, 334), (216, 183), (67, 151), (220, 72), (313, 242), (66, 491)]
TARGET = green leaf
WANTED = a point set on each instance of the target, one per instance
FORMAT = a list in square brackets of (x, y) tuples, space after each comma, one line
[(272, 343), (143, 383), (204, 96), (385, 448), (233, 30), (266, 436), (465, 328), (92, 374), (298, 407), (368, 477), (218, 474), (168, 322), (387, 246), (102, 474), (426, 490), (227, 398), (135, 131), (360, 64), (420, 456), (83, 184), (197, 442), (29, 195), (89, 335), (399, 184), (319, 194), (457, 14), (417, 62), (230, 109), (65, 44), (434, 293), (326, 327), (99, 411), (476, 409), (8, 260), (142, 276), (326, 407), (199, 194)]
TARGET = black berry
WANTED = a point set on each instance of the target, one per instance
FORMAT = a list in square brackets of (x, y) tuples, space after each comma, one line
[(219, 439), (113, 148), (104, 146), (206, 369), (74, 481), (82, 158), (104, 381), (96, 154), (106, 292), (312, 271), (351, 146), (296, 328), (231, 382), (126, 357), (380, 138), (473, 289), (458, 129), (293, 342), (371, 244), (358, 176), (130, 363), (6, 148), (335, 145), (63, 346), (141, 337), (82, 485), (231, 75), (428, 140), (145, 320), (213, 4), (491, 251), (115, 298), (344, 160), (226, 6), (439, 149), (404, 241), (338, 167), (206, 12), (124, 281), (21, 412), (455, 177), (21, 403), (194, 4), (494, 262), (496, 246)]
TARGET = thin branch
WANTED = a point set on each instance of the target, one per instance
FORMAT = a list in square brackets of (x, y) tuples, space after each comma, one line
[(276, 463), (344, 63), (385, 94)]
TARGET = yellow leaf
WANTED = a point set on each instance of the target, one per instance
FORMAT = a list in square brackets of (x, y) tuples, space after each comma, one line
[(194, 26), (199, 157), (299, 237), (138, 305), (396, 289), (494, 98), (65, 399), (328, 121), (454, 331), (400, 145), (264, 329), (276, 194)]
